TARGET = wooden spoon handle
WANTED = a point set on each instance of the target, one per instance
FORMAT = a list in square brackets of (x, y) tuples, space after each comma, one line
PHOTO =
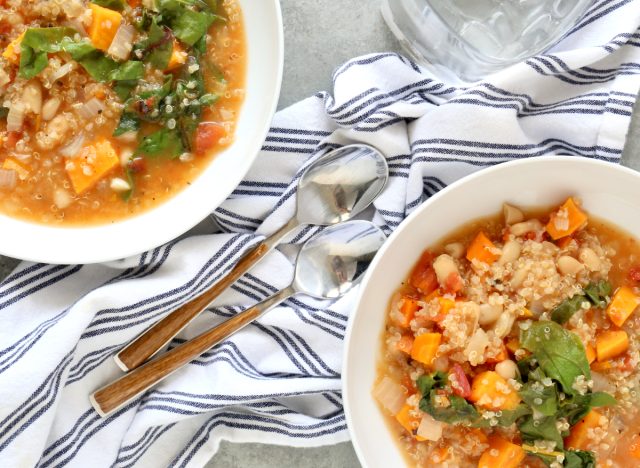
[(116, 394), (161, 333)]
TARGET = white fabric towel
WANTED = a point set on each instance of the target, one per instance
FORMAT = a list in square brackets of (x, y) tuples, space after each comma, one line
[(278, 381)]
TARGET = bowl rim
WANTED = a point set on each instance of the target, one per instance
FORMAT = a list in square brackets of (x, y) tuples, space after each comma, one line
[(32, 241), (418, 212)]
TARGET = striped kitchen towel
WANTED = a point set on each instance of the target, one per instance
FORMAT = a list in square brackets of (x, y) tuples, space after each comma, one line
[(278, 381)]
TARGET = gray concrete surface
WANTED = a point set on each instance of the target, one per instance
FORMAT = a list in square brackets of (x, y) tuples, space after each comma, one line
[(320, 35)]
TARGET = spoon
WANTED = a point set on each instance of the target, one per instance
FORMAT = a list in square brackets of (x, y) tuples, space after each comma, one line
[(335, 188), (328, 266)]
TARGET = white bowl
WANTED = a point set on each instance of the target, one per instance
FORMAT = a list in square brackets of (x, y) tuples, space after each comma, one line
[(37, 242), (607, 191)]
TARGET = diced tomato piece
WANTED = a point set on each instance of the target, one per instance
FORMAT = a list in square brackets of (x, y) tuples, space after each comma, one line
[(462, 387), (12, 139), (634, 273), (423, 277), (137, 165), (453, 283), (134, 3), (207, 136)]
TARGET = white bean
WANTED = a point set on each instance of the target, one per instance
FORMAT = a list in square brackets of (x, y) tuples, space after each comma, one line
[(590, 259), (507, 369), (489, 313), (504, 324), (444, 266), (510, 252), (32, 97), (569, 266), (476, 346), (456, 249), (520, 229), (50, 108), (518, 278), (512, 215)]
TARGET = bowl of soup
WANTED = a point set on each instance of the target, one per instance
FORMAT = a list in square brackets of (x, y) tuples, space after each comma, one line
[(125, 123), (501, 327)]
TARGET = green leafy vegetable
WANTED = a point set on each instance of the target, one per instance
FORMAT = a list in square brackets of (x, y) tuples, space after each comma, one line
[(593, 293), (426, 383), (123, 89), (457, 411), (35, 45), (188, 19), (597, 293), (579, 459), (161, 142), (563, 312), (117, 5), (544, 428), (38, 42), (540, 397), (602, 399), (559, 353), (128, 123)]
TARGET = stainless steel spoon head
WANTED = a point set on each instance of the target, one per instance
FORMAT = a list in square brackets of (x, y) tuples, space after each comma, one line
[(341, 184), (332, 263)]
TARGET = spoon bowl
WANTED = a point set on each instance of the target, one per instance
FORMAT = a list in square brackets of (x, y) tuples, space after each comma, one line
[(341, 184), (332, 263)]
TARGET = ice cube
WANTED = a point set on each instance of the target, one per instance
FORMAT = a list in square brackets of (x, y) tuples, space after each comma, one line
[(538, 31)]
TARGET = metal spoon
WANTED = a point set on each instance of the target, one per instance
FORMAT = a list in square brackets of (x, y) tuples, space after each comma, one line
[(334, 189), (328, 266)]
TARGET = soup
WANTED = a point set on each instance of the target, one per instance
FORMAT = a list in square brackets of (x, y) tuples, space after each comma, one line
[(108, 108), (514, 343)]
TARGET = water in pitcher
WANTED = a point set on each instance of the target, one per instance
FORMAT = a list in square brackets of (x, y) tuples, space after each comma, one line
[(476, 37)]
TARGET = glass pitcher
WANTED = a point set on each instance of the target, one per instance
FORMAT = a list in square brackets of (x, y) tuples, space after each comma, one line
[(474, 38)]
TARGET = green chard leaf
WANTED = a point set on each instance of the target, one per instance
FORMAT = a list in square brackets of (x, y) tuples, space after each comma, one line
[(35, 46), (563, 312), (117, 5), (458, 411), (532, 429), (593, 293), (579, 459), (123, 89), (38, 42), (602, 399), (539, 397), (161, 142), (128, 123), (598, 292), (426, 383), (188, 19), (559, 352)]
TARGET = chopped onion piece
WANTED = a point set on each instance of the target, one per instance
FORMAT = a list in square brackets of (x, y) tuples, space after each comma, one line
[(8, 178), (119, 185), (62, 71), (15, 117), (62, 198), (4, 78), (23, 157), (429, 428), (122, 43), (72, 149), (91, 108), (390, 394)]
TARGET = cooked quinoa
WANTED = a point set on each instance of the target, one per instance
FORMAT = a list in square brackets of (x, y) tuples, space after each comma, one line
[(515, 343)]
